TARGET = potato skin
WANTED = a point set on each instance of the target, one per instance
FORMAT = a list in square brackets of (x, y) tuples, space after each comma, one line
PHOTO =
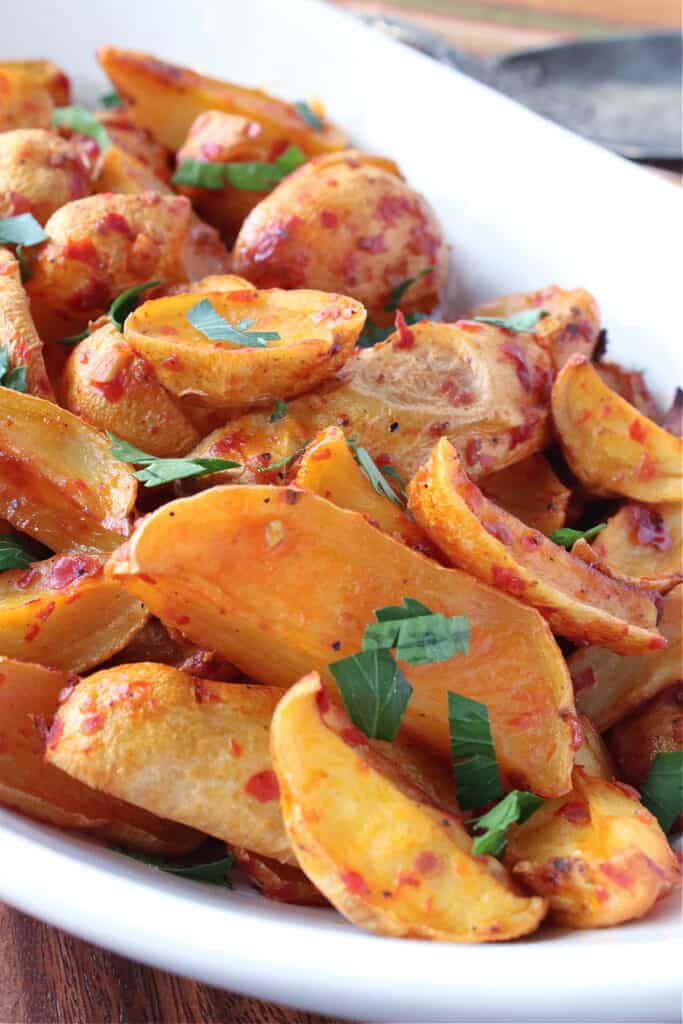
[(39, 172), (100, 245), (597, 855), (348, 223), (110, 385)]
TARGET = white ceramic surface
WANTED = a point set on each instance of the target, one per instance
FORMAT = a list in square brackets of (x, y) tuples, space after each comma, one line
[(524, 204)]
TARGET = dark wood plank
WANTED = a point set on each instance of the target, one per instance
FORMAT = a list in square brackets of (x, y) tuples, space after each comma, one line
[(49, 977)]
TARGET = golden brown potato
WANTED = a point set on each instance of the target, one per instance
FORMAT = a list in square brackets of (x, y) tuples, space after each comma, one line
[(39, 172), (329, 469), (385, 857), (29, 697), (597, 855), (110, 385), (103, 244), (284, 883), (216, 137), (280, 581), (166, 98), (630, 384), (24, 102), (346, 222), (58, 481), (644, 542), (184, 748), (141, 144), (532, 492), (572, 324), (64, 612), (397, 398), (18, 333), (119, 171), (593, 756), (609, 686), (656, 727), (499, 549), (315, 335), (609, 445), (44, 75)]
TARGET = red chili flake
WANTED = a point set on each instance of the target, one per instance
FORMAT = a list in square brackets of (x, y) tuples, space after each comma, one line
[(471, 494), (27, 578), (648, 468), (516, 353), (54, 734), (406, 338), (584, 679), (507, 580), (457, 395), (31, 633), (427, 863), (329, 219), (203, 694), (637, 431), (235, 747), (84, 251), (69, 568), (147, 579), (113, 221), (181, 620), (649, 528), (391, 208), (47, 611), (470, 326), (498, 530), (354, 737), (322, 700), (354, 882), (475, 455), (575, 811), (372, 243), (524, 431), (112, 390), (91, 724), (263, 786), (531, 541), (522, 722), (406, 878), (621, 877), (601, 894), (321, 455), (657, 643), (630, 791)]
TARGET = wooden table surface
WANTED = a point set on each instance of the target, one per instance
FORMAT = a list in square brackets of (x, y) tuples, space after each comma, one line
[(48, 977)]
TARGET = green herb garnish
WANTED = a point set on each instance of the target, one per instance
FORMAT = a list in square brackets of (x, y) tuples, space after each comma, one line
[(217, 872), (15, 552), (477, 778), (80, 120), (375, 475), (124, 304), (163, 471), (520, 323), (111, 99), (281, 463), (516, 807), (419, 635), (212, 325), (23, 229), (255, 176), (14, 379), (309, 116), (662, 791), (278, 412), (399, 291), (374, 690), (567, 538), (73, 339)]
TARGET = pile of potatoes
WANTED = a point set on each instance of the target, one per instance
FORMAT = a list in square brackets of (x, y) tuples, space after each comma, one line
[(164, 661)]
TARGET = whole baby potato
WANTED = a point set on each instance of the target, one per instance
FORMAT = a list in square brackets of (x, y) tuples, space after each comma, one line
[(39, 172), (346, 222)]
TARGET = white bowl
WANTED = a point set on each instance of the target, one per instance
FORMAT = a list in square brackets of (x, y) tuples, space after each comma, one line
[(524, 204)]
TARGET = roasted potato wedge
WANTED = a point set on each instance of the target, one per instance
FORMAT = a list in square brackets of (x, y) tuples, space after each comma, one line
[(532, 492), (597, 855), (43, 74), (140, 143), (24, 102), (315, 335), (572, 324), (119, 171), (593, 755), (58, 481), (109, 384), (395, 399), (166, 98), (100, 245), (29, 697), (184, 748), (609, 686), (328, 468), (284, 883), (655, 727), (63, 612), (242, 583), (644, 542), (385, 858), (610, 446), (18, 333), (499, 549), (630, 384), (39, 172), (346, 222)]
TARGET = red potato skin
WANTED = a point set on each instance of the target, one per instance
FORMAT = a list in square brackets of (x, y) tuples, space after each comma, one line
[(39, 172)]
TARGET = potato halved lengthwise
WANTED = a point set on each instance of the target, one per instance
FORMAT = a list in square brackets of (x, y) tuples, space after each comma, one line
[(644, 542), (315, 333), (29, 697), (494, 546), (18, 332), (456, 380), (166, 98), (281, 581), (532, 492), (597, 855), (58, 481), (385, 857), (64, 612), (609, 686), (610, 446), (184, 748)]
